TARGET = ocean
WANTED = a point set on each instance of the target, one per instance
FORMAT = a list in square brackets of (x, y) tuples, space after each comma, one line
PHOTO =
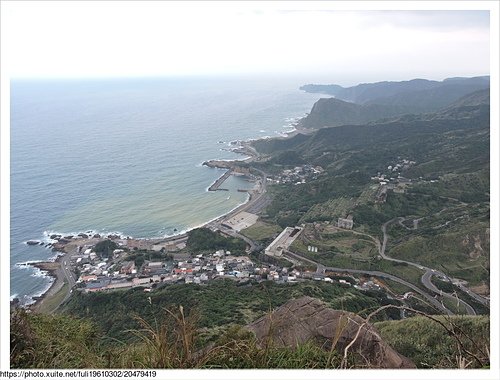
[(125, 155)]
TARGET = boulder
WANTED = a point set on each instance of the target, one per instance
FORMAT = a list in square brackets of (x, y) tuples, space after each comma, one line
[(82, 235), (309, 319)]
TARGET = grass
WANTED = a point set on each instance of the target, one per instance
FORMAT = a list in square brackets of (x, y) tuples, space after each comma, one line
[(329, 210), (449, 252), (169, 342), (454, 240), (172, 340), (261, 231), (329, 239), (335, 259), (368, 195), (50, 304), (454, 306), (220, 303), (429, 345), (396, 287)]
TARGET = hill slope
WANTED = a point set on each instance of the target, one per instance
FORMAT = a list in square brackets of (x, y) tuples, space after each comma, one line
[(371, 102)]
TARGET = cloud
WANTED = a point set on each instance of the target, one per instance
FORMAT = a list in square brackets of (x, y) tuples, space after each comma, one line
[(159, 38), (436, 20)]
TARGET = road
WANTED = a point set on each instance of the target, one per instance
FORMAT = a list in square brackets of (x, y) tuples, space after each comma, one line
[(426, 281), (429, 272), (322, 268), (259, 202)]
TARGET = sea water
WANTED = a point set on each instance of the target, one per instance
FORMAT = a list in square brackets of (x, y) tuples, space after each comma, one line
[(125, 155)]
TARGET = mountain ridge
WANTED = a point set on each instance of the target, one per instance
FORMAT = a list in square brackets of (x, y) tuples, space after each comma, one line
[(367, 103)]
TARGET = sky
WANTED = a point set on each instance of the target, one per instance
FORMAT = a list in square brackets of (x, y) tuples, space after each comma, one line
[(316, 39)]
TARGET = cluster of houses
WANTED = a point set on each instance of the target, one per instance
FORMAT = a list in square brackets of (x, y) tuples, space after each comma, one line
[(297, 175), (392, 180), (393, 173), (101, 274), (117, 272)]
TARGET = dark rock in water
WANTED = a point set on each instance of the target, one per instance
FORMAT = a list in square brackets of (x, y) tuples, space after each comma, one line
[(175, 229), (85, 236), (55, 236), (308, 319), (64, 240), (42, 243), (15, 303), (96, 236), (69, 237), (112, 236), (33, 242)]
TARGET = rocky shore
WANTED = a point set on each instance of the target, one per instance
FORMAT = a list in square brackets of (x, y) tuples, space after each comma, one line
[(52, 269), (73, 244)]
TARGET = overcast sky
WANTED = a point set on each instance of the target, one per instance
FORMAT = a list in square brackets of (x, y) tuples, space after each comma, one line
[(96, 39)]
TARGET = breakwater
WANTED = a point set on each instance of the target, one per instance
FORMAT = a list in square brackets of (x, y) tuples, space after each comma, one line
[(216, 185)]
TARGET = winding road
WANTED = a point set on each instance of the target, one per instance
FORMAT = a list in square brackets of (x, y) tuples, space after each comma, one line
[(321, 269), (426, 278)]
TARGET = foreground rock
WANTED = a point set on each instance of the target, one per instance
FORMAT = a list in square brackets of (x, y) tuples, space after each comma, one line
[(305, 319)]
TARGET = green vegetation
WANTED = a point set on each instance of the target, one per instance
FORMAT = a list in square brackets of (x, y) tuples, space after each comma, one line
[(444, 224), (139, 257), (455, 241), (220, 303), (288, 158), (53, 341), (105, 248), (448, 194), (262, 231), (338, 260), (431, 346), (450, 288), (51, 303), (204, 240), (396, 287), (171, 341), (467, 187), (417, 95), (330, 239), (174, 339), (330, 210)]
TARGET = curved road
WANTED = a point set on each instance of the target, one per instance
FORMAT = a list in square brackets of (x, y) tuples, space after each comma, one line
[(426, 281), (429, 272), (321, 269)]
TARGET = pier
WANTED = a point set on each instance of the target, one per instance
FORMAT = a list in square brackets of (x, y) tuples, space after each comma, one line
[(216, 185)]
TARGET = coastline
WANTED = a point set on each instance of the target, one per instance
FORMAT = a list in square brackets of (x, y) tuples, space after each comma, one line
[(54, 269), (65, 248), (51, 269)]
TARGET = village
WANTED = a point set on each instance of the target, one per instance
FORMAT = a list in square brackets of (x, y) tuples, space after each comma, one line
[(391, 179), (298, 175), (97, 273), (118, 271)]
